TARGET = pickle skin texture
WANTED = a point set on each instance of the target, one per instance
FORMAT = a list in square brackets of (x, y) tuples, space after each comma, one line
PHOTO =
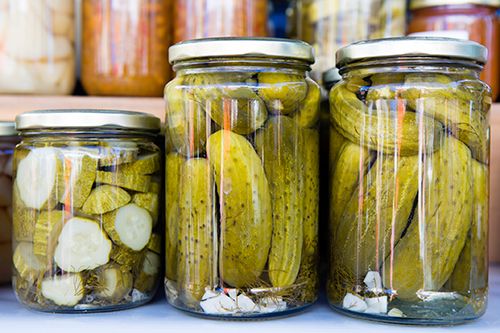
[(245, 208), (444, 226), (114, 282), (126, 257), (144, 165), (351, 118), (309, 110), (27, 264), (118, 153), (79, 184), (173, 164), (195, 262), (148, 276), (155, 243), (276, 145), (105, 198), (130, 181), (150, 202), (281, 92), (47, 229)]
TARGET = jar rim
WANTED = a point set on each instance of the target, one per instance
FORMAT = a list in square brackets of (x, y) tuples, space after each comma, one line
[(412, 47), (419, 4), (241, 47), (8, 128), (87, 119)]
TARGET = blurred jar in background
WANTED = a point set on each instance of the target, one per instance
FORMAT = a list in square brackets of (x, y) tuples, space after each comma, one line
[(124, 47), (215, 18), (37, 54), (329, 25)]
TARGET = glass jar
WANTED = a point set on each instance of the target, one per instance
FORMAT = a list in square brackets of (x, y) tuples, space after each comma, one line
[(242, 178), (409, 204), (329, 25), (474, 20), (8, 140), (214, 18), (86, 235), (37, 54), (125, 45)]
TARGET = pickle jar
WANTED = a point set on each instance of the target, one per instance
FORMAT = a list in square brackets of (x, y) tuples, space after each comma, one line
[(409, 185), (37, 52), (329, 25), (86, 235), (8, 140), (466, 19), (242, 178), (125, 46)]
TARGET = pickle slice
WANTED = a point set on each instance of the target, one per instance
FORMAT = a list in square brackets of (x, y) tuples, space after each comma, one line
[(126, 257), (150, 202), (144, 165), (113, 282), (81, 176), (130, 181), (27, 264), (47, 229), (65, 290), (148, 276), (105, 198), (118, 152)]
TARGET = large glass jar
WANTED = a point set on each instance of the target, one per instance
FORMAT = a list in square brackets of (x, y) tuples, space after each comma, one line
[(242, 178), (86, 234), (466, 19), (37, 54), (215, 18), (124, 47), (329, 25), (8, 140), (409, 204)]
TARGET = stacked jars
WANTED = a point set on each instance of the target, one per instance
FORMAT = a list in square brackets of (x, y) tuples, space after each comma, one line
[(242, 178), (409, 183), (86, 203)]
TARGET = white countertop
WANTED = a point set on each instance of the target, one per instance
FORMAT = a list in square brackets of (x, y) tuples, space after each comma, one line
[(158, 316)]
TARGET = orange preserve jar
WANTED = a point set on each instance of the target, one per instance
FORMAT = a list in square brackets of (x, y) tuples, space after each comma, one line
[(465, 19), (125, 46), (216, 18)]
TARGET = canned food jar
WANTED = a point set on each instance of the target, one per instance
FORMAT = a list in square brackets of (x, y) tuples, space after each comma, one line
[(8, 140), (409, 204), (214, 18), (125, 45), (474, 20), (37, 53), (329, 25), (86, 236), (242, 178)]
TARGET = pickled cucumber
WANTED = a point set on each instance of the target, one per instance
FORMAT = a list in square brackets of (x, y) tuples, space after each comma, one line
[(126, 257), (282, 92), (113, 153), (245, 213), (105, 198), (144, 165), (27, 264), (150, 202), (127, 180), (79, 177), (424, 258), (48, 226), (309, 111), (148, 275), (195, 261), (113, 282), (64, 290)]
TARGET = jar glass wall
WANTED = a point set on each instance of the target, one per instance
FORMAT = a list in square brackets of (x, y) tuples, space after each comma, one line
[(37, 54), (86, 234), (409, 184), (242, 179), (125, 44)]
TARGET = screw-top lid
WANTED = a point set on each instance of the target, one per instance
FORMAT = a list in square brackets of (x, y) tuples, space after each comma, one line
[(87, 119), (417, 4), (412, 47), (7, 128), (241, 47)]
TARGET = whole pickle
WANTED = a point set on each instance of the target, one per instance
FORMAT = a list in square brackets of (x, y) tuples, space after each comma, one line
[(336, 142), (278, 146), (229, 100), (309, 111), (195, 252), (245, 208), (387, 132), (282, 92), (424, 258), (385, 86)]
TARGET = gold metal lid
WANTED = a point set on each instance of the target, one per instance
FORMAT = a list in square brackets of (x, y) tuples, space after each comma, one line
[(87, 119), (241, 47), (7, 128), (440, 47), (417, 4)]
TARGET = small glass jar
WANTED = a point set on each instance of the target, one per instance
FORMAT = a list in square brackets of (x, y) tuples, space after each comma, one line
[(125, 45), (37, 53), (474, 20), (409, 203), (328, 25), (242, 178), (86, 235), (8, 140), (214, 18)]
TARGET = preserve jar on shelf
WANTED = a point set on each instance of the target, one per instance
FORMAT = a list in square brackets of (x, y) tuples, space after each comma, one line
[(474, 20), (329, 25), (242, 178), (124, 47), (214, 18), (86, 235), (37, 53), (409, 204), (8, 140)]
